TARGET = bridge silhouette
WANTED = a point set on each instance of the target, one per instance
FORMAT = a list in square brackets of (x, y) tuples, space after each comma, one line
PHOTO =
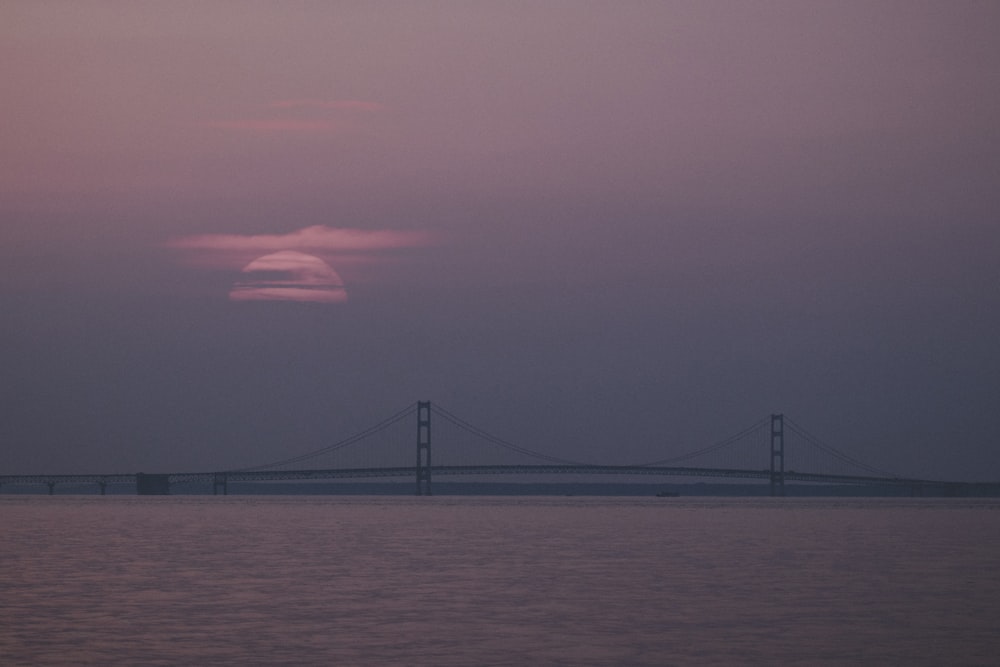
[(761, 451)]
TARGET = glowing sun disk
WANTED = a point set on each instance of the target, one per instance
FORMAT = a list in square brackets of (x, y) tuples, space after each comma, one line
[(289, 275)]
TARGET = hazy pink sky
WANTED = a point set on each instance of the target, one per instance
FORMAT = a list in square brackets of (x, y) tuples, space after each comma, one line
[(646, 217)]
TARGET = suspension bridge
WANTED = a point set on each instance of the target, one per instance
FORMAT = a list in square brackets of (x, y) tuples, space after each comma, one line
[(775, 450)]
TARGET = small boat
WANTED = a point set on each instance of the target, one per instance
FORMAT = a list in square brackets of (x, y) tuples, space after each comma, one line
[(667, 494)]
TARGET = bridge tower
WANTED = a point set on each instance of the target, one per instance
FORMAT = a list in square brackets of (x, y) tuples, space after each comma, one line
[(423, 448), (777, 455)]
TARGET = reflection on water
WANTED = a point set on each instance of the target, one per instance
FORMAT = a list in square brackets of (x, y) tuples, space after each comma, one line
[(497, 581)]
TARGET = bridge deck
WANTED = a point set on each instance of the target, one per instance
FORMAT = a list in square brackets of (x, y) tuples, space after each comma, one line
[(470, 470)]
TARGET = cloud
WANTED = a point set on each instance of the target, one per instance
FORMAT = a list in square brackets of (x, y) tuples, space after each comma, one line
[(274, 125), (232, 250), (317, 237), (335, 105), (293, 266)]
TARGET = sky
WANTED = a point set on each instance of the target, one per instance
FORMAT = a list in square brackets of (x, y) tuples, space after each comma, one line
[(233, 232)]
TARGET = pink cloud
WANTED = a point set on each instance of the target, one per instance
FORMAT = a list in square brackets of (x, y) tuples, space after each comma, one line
[(292, 266), (336, 105), (316, 238), (344, 245), (274, 125)]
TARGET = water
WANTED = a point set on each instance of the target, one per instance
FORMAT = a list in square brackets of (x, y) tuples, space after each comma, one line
[(497, 581)]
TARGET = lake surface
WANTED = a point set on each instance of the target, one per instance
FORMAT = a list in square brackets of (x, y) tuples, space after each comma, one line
[(116, 580)]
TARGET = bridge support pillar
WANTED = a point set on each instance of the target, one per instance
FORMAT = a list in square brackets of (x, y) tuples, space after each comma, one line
[(220, 480), (52, 488), (152, 485), (423, 448), (103, 486), (777, 455)]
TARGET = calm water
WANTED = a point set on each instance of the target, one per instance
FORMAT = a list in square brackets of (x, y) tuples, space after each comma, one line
[(497, 581)]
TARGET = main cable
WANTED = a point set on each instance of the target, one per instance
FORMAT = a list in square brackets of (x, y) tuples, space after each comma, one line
[(475, 430), (385, 423), (710, 448), (834, 452)]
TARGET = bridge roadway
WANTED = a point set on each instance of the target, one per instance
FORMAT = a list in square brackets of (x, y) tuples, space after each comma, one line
[(223, 477)]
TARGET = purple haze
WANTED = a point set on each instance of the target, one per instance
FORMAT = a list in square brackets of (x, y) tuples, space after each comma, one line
[(653, 224)]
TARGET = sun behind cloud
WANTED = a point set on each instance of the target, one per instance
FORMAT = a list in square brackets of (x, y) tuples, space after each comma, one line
[(289, 275), (295, 265)]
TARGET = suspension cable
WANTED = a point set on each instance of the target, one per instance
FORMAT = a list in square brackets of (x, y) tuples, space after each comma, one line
[(834, 452), (710, 448), (385, 423), (475, 430)]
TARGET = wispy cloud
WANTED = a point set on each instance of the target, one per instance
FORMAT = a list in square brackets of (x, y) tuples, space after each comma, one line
[(335, 105), (274, 125), (316, 238), (293, 266), (234, 250)]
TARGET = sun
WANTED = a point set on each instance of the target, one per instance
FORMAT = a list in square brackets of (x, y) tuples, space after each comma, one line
[(289, 275)]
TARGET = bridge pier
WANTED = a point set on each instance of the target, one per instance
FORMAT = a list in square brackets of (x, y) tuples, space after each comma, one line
[(778, 455), (103, 486), (220, 480), (52, 488), (152, 485), (423, 448)]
